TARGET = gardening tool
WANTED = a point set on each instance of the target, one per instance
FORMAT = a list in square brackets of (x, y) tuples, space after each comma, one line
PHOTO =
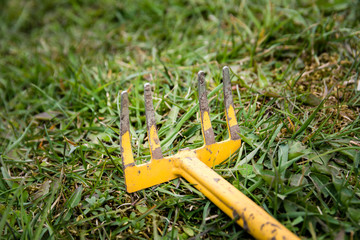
[(195, 165)]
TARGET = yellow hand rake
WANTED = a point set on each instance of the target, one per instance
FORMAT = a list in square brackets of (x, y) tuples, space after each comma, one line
[(195, 165)]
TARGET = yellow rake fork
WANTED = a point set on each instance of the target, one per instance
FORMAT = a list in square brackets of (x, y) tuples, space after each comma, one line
[(195, 165)]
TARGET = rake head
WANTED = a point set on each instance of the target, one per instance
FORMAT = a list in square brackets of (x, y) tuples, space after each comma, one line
[(161, 169), (195, 165)]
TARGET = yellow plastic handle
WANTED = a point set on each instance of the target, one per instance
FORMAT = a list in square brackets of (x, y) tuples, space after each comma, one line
[(235, 204)]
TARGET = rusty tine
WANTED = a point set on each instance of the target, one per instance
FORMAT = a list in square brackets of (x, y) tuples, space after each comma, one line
[(154, 141), (195, 164), (207, 130), (125, 142), (232, 124)]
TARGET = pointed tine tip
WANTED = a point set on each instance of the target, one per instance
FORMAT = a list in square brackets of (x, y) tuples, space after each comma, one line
[(124, 99), (226, 73), (201, 78), (147, 86), (148, 96)]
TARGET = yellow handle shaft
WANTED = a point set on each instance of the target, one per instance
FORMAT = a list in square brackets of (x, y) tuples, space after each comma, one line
[(235, 204)]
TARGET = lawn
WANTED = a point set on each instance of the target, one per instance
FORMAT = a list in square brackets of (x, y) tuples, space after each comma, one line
[(296, 88)]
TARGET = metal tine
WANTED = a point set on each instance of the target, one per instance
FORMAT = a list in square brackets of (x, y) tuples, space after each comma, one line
[(125, 143), (206, 127), (232, 124), (154, 142)]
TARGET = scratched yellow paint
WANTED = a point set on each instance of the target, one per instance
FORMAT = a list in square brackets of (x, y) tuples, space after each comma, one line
[(126, 145), (232, 116), (206, 121), (234, 203), (161, 170), (193, 165), (155, 143), (215, 154)]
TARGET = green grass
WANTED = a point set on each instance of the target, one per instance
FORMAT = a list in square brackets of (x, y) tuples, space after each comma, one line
[(295, 70)]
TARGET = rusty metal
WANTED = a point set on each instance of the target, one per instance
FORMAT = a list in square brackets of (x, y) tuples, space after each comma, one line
[(195, 165), (154, 141), (206, 128), (233, 127)]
